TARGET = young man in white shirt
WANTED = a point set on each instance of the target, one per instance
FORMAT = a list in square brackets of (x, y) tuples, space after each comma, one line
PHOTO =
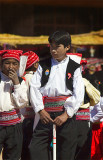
[(56, 93)]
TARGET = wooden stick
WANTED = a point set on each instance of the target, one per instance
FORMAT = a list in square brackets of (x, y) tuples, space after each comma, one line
[(54, 142)]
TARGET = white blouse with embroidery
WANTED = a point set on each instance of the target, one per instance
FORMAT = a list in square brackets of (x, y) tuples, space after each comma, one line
[(12, 96)]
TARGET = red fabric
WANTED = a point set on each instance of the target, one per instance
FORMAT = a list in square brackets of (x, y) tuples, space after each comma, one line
[(29, 113), (77, 54), (54, 104), (83, 62), (32, 58), (97, 142), (11, 54), (83, 114), (24, 78), (8, 118)]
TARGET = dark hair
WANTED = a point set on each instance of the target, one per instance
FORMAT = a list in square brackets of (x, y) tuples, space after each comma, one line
[(60, 37)]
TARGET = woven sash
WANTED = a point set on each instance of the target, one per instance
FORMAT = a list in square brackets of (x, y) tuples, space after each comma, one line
[(83, 114), (54, 104), (10, 117), (29, 113)]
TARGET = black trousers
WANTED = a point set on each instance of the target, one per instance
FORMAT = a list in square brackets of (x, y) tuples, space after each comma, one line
[(27, 135), (66, 140), (84, 131), (11, 141)]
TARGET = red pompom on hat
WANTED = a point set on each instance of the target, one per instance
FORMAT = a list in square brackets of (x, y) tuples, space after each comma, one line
[(32, 58), (5, 54), (83, 62)]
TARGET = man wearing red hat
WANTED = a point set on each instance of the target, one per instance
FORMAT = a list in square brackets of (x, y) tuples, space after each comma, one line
[(84, 129), (13, 95), (28, 112)]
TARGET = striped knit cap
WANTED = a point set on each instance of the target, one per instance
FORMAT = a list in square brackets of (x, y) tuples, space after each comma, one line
[(5, 54), (32, 58)]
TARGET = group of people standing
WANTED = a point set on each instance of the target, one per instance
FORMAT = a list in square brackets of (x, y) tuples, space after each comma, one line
[(35, 94)]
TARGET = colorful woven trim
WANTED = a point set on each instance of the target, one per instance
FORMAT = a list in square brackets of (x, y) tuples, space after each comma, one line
[(29, 113), (54, 104), (8, 118), (83, 114)]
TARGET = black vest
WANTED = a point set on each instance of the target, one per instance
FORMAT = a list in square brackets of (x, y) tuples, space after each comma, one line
[(71, 67)]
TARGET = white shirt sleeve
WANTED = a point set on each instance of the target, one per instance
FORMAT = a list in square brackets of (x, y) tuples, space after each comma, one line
[(73, 103), (35, 94), (101, 103), (19, 95), (96, 114)]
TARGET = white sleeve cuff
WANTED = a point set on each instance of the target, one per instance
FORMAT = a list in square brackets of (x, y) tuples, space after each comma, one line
[(38, 108), (69, 111), (16, 86)]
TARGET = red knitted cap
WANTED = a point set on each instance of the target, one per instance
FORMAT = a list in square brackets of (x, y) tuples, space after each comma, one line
[(32, 58), (5, 54)]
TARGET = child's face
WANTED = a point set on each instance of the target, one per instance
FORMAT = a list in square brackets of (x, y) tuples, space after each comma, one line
[(9, 64), (58, 52), (36, 66)]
